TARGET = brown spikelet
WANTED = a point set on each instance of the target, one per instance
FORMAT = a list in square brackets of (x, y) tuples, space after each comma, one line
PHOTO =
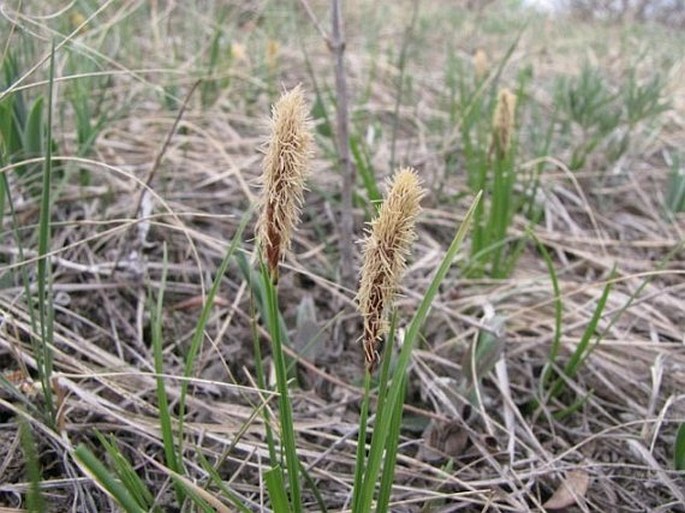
[(285, 168), (503, 122), (386, 246), (480, 64), (272, 52)]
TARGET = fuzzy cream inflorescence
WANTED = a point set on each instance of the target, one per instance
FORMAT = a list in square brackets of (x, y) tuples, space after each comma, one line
[(386, 247), (503, 122), (285, 169), (480, 64)]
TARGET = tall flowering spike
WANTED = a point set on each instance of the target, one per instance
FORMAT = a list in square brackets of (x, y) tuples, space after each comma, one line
[(386, 246), (503, 122), (285, 169)]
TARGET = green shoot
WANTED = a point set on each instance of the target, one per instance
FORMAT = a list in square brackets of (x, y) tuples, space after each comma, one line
[(43, 346), (583, 349), (679, 449), (675, 187), (127, 475), (284, 405), (276, 488), (34, 497), (104, 478), (165, 414)]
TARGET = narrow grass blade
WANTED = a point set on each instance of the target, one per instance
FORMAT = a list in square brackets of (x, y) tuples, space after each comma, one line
[(675, 186), (209, 85), (43, 276), (127, 474), (661, 265), (391, 444), (558, 309), (26, 282), (34, 498), (311, 485), (365, 170), (320, 115), (361, 444), (33, 146), (215, 478), (6, 126), (198, 496), (384, 377), (256, 296), (11, 126), (583, 349), (33, 133), (258, 293), (170, 455), (258, 290), (276, 488), (103, 478), (675, 193), (574, 407), (679, 449), (4, 192), (284, 404), (378, 443)]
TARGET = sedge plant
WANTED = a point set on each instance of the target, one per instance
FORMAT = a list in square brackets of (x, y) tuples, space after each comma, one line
[(494, 171), (26, 144), (285, 169), (486, 114), (386, 247)]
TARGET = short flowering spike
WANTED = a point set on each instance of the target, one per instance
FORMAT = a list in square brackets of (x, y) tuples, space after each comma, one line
[(503, 122), (480, 64), (285, 169), (386, 246)]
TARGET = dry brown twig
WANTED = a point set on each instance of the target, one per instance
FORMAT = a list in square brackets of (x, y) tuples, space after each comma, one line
[(336, 44)]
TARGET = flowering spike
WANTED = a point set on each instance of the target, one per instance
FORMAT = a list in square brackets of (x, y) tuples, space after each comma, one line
[(503, 122), (285, 168), (386, 246), (480, 64)]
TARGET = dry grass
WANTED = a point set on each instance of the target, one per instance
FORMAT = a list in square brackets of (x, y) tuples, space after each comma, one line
[(107, 264)]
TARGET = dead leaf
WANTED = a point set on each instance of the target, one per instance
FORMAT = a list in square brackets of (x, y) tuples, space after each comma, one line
[(456, 439), (443, 440), (306, 340), (571, 489)]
